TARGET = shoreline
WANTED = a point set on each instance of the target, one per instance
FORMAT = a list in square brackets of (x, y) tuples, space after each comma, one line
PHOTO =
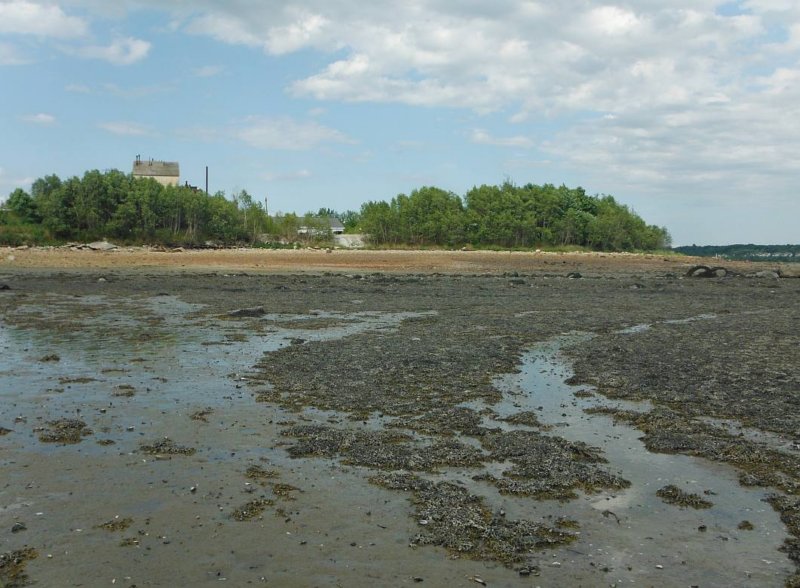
[(392, 261)]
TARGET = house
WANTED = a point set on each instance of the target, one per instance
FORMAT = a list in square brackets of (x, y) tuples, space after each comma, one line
[(337, 228), (166, 173), (320, 225)]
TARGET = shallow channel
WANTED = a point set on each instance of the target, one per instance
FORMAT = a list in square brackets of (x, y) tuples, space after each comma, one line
[(632, 534)]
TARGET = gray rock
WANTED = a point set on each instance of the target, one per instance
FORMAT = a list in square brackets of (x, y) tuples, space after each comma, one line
[(101, 246), (248, 312)]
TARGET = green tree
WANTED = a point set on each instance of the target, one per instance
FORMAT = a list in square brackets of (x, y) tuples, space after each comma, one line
[(138, 215), (501, 215), (351, 219), (222, 220), (381, 221), (431, 216), (23, 206), (255, 220)]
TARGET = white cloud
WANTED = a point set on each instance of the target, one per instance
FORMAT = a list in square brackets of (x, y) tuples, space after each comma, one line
[(10, 56), (130, 129), (123, 51), (613, 21), (482, 137), (208, 71), (276, 31), (39, 119), (22, 17), (648, 96), (286, 134), (8, 184)]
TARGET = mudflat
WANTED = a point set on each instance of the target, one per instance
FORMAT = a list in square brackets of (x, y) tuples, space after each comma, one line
[(306, 418), (321, 259)]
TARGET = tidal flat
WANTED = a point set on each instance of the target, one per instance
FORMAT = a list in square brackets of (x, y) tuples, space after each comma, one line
[(339, 428)]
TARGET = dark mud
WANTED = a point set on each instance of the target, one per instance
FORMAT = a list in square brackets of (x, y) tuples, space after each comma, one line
[(116, 524), (66, 431), (166, 446), (298, 381), (12, 567), (461, 522), (548, 467), (671, 494)]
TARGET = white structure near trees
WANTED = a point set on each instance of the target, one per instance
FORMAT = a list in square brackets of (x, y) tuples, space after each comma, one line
[(166, 173), (319, 225)]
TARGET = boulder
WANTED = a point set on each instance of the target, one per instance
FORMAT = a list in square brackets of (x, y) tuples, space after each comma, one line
[(101, 246), (248, 312), (704, 271)]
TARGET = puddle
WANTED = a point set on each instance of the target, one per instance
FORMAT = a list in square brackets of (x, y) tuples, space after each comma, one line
[(640, 328), (158, 345), (774, 441), (632, 533)]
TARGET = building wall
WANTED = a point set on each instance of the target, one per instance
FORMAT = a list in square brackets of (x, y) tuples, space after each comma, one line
[(166, 173), (164, 180)]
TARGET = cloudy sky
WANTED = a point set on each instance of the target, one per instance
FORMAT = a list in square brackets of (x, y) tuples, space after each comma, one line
[(686, 110)]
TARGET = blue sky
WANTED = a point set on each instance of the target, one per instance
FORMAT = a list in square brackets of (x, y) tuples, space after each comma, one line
[(686, 110)]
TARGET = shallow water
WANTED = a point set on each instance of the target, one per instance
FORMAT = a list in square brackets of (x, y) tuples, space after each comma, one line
[(340, 530), (643, 532)]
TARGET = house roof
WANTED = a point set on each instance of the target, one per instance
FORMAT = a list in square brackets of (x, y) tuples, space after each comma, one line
[(335, 223), (156, 168)]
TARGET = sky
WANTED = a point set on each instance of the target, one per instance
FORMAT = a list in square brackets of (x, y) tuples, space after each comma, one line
[(687, 111)]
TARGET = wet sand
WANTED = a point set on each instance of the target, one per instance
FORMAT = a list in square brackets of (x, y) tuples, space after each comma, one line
[(358, 428)]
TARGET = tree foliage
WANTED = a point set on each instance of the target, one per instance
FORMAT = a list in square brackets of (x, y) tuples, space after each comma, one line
[(116, 205), (510, 216)]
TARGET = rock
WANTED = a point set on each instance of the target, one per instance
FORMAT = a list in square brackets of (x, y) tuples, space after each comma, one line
[(5, 287), (248, 312), (574, 275), (517, 282), (703, 271), (18, 527), (101, 246), (773, 275)]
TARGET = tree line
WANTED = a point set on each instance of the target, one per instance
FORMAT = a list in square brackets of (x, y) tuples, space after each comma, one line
[(116, 205), (140, 210), (745, 252), (510, 216)]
